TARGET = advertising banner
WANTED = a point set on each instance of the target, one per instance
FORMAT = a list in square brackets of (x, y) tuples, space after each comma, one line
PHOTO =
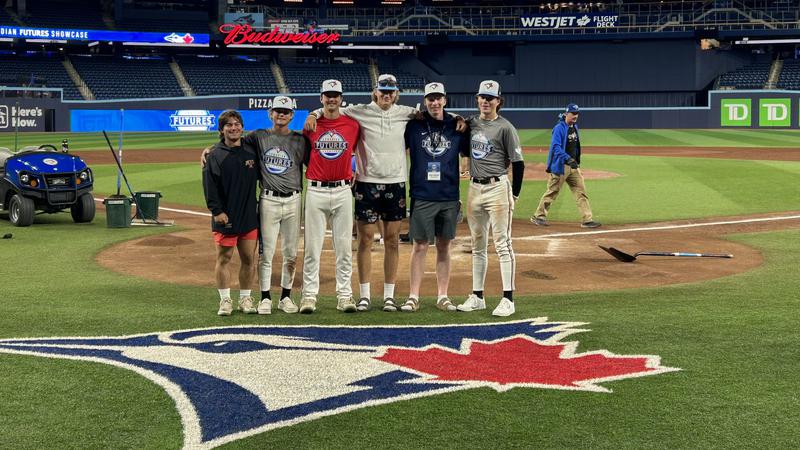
[(94, 120), (556, 21), (255, 20), (57, 34), (757, 110), (22, 118)]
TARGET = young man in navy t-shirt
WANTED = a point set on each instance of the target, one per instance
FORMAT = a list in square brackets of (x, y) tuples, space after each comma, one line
[(434, 146)]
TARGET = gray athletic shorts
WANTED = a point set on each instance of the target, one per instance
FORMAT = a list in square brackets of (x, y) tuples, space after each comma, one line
[(430, 220)]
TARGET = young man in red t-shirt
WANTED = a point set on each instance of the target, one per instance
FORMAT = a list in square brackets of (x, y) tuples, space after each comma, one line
[(328, 196)]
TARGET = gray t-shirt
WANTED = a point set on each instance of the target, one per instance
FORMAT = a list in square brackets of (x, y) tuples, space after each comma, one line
[(281, 158), (494, 145)]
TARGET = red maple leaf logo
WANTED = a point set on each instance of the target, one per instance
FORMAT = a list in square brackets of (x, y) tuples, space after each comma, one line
[(522, 361), (188, 38)]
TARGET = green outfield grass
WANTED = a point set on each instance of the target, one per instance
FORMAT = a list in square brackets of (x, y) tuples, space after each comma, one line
[(533, 138), (733, 338), (648, 188)]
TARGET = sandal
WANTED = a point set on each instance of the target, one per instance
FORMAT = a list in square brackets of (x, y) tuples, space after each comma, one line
[(411, 305), (445, 304), (389, 305), (363, 304)]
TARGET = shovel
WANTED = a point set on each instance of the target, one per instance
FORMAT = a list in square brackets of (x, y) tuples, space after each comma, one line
[(624, 257)]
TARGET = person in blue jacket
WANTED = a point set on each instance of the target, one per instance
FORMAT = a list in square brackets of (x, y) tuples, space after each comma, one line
[(563, 165)]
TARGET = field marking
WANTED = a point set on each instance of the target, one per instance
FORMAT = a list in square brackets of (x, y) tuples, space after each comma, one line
[(655, 228), (577, 233)]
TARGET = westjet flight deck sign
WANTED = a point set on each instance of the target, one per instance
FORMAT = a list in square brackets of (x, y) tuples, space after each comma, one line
[(554, 22)]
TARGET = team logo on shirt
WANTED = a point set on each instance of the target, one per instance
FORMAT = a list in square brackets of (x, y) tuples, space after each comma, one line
[(331, 145), (276, 160), (436, 144), (481, 146)]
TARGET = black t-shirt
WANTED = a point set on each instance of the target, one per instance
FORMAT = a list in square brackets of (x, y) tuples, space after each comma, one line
[(572, 143), (229, 181)]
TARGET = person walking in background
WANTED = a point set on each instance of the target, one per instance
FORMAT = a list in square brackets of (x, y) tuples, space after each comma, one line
[(229, 181), (563, 165)]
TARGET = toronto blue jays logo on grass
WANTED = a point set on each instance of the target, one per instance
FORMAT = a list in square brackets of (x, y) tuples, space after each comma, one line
[(232, 382), (331, 145), (481, 146), (276, 160)]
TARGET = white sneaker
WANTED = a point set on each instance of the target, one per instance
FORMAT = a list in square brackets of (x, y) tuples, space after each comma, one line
[(308, 305), (246, 305), (504, 309), (225, 307), (265, 306), (287, 305), (346, 305), (363, 304), (473, 303)]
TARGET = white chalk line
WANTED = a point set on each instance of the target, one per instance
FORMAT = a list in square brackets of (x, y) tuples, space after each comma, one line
[(656, 228)]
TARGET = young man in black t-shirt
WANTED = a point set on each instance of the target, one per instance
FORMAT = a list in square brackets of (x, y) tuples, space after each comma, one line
[(229, 185)]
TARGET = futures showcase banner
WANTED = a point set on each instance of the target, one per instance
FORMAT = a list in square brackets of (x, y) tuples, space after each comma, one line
[(553, 22), (57, 34)]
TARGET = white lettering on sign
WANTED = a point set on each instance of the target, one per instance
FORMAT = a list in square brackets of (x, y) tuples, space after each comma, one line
[(737, 111)]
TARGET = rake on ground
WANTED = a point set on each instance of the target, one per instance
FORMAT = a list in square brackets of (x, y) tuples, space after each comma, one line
[(624, 257)]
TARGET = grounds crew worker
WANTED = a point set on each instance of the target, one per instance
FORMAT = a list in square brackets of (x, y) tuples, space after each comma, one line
[(563, 165)]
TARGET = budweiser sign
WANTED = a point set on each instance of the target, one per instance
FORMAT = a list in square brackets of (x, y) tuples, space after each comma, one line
[(245, 34)]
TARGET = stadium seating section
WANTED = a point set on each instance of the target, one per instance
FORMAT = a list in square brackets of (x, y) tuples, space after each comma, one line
[(111, 78), (790, 75), (37, 71), (308, 77), (753, 76), (227, 76)]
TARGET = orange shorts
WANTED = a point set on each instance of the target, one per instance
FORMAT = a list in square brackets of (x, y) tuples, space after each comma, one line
[(230, 240)]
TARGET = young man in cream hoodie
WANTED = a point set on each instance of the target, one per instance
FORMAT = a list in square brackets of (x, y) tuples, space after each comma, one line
[(381, 175)]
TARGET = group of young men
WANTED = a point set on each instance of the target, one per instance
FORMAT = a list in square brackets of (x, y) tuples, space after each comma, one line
[(379, 135)]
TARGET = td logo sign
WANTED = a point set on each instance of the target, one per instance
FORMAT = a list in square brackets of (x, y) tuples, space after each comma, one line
[(774, 112), (735, 112)]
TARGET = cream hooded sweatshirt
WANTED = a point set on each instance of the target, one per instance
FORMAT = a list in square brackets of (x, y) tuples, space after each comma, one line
[(381, 150)]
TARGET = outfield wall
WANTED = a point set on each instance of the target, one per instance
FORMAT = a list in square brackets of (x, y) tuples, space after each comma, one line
[(728, 109)]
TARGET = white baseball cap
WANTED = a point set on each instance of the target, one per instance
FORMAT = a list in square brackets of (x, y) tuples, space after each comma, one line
[(490, 88), (387, 82), (434, 88), (331, 86), (282, 102)]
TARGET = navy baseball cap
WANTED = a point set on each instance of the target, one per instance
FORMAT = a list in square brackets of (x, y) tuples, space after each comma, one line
[(572, 108)]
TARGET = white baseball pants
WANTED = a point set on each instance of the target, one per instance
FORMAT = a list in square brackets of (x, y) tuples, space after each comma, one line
[(491, 205), (279, 215), (324, 204)]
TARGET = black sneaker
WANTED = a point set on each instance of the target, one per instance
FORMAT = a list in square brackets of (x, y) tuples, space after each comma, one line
[(542, 222), (404, 237), (590, 224)]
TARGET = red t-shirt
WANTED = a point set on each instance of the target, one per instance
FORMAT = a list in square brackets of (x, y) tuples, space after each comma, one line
[(332, 147)]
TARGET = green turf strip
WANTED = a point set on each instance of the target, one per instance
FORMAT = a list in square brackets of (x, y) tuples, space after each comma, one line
[(528, 138), (649, 188)]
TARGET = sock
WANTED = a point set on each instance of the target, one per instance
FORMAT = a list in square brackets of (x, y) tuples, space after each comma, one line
[(415, 297), (364, 290), (244, 293), (479, 294), (388, 290), (441, 297), (509, 295), (224, 293), (265, 294), (286, 292)]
